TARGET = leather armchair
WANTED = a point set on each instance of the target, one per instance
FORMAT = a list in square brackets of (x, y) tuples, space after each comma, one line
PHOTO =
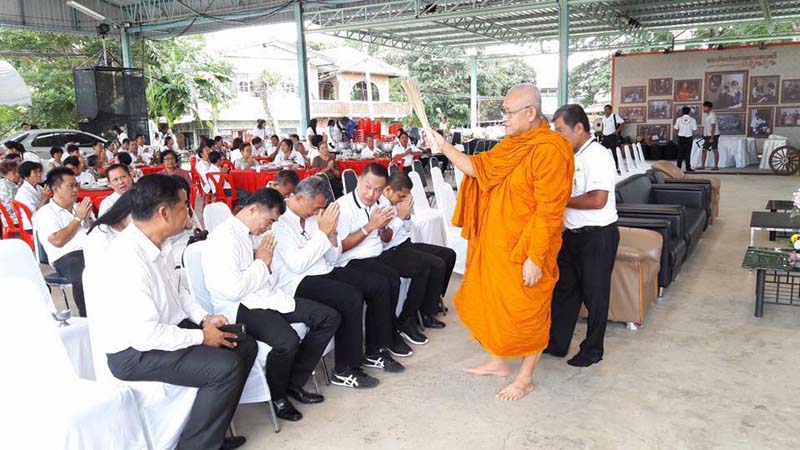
[(638, 192), (673, 249), (671, 171), (634, 281), (687, 184)]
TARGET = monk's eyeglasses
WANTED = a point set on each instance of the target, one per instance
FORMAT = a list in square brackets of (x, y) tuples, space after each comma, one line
[(508, 114)]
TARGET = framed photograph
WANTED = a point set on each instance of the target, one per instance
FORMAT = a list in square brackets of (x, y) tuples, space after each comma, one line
[(731, 124), (764, 90), (653, 134), (633, 114), (726, 90), (696, 111), (659, 110), (788, 117), (660, 87), (760, 122), (634, 94), (790, 91), (688, 90)]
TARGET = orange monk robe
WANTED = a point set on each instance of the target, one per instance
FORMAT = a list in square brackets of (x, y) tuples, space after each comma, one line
[(512, 210)]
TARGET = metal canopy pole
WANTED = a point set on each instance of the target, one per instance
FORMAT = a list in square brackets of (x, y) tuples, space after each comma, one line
[(125, 43), (563, 53), (473, 95), (302, 68)]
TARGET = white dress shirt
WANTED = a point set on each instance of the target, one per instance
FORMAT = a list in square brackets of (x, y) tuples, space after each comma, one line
[(295, 157), (313, 152), (401, 229), (107, 203), (301, 251), (408, 160), (96, 245), (594, 171), (608, 123), (367, 153), (144, 313), (708, 120), (234, 276), (686, 126), (203, 167), (353, 216), (30, 196), (52, 218), (85, 177)]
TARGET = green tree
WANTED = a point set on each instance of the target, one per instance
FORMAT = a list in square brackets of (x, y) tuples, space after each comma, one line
[(589, 80)]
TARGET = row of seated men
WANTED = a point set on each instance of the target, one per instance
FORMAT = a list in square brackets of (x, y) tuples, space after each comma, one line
[(334, 267)]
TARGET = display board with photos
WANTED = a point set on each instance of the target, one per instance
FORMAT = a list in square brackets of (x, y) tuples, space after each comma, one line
[(726, 90), (731, 124), (760, 121), (660, 87), (634, 94), (696, 111), (790, 91), (688, 90), (788, 117), (633, 114), (653, 134), (764, 90), (659, 110)]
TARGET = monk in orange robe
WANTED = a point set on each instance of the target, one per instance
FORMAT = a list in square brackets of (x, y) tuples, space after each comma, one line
[(510, 208)]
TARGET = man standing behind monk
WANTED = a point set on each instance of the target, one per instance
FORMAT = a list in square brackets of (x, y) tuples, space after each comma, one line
[(510, 207)]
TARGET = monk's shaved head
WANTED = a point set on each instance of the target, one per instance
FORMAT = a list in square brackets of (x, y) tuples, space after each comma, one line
[(524, 94)]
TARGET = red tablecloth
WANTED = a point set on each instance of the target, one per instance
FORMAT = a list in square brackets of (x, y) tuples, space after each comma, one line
[(147, 170), (96, 196), (250, 180), (358, 164)]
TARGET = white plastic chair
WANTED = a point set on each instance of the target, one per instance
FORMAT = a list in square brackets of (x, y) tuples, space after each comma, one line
[(621, 162), (19, 262), (640, 152), (214, 214), (446, 204), (256, 389), (56, 408), (428, 224), (164, 407), (629, 159), (459, 176), (418, 192)]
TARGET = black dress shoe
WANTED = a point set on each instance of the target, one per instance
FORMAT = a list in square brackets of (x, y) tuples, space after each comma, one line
[(581, 360), (549, 351), (285, 410), (303, 396), (231, 443), (428, 321)]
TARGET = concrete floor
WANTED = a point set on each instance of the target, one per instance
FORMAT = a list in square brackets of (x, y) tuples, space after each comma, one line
[(702, 373)]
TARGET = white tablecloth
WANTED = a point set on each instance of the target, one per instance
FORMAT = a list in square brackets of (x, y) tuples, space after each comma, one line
[(734, 151), (79, 348), (769, 146)]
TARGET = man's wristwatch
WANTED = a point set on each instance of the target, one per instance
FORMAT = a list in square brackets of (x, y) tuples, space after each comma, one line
[(364, 230)]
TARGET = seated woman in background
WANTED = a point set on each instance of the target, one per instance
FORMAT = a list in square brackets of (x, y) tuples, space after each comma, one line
[(56, 153), (327, 163), (287, 153), (105, 229), (247, 161), (169, 159), (9, 185)]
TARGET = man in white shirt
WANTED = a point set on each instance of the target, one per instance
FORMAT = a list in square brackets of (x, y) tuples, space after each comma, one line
[(685, 125), (151, 331), (30, 193), (285, 182), (258, 147), (589, 248), (428, 266), (288, 153), (612, 126), (369, 151), (243, 288), (273, 147), (360, 219), (711, 134), (406, 150), (120, 179), (306, 252), (83, 178), (61, 228)]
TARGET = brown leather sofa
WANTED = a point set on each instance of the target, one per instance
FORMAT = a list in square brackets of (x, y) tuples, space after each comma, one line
[(634, 281), (670, 170)]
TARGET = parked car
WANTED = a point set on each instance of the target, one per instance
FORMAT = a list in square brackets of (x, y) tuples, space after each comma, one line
[(41, 141)]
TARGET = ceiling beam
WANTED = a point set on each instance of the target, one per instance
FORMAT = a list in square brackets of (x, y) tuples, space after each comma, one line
[(388, 40), (766, 10)]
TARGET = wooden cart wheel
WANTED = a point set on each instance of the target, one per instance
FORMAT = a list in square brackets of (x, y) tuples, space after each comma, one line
[(785, 160)]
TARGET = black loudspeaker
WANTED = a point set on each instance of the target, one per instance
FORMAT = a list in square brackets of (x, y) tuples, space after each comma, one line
[(109, 96)]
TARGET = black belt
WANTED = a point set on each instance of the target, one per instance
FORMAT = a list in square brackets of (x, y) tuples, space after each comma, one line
[(591, 229)]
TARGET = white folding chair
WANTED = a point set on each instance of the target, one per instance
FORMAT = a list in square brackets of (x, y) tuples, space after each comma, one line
[(629, 159), (163, 407), (59, 410), (459, 176), (446, 204), (18, 261), (214, 214), (621, 162), (418, 192), (428, 224), (640, 152)]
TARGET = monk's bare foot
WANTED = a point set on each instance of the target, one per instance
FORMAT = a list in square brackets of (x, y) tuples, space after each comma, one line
[(515, 391), (495, 367)]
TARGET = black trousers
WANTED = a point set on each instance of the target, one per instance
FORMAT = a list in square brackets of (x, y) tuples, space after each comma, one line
[(348, 301), (611, 142), (448, 255), (684, 151), (71, 266), (291, 361), (219, 373), (427, 272), (380, 285), (585, 263)]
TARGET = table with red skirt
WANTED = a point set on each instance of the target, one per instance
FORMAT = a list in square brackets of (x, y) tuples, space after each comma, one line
[(95, 195), (358, 164), (250, 180)]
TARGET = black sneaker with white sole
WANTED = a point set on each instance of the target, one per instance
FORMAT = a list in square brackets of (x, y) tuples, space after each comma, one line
[(400, 348), (384, 361), (354, 378), (409, 331)]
